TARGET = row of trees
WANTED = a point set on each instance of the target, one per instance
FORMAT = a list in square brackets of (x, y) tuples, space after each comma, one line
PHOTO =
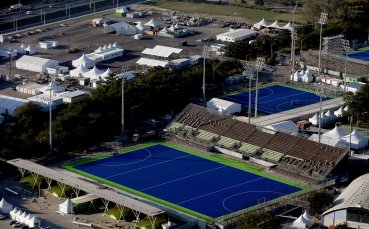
[(90, 120)]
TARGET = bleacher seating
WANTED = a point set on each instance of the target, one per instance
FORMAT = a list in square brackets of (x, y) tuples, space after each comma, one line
[(227, 142), (206, 136), (175, 126), (249, 149), (271, 155)]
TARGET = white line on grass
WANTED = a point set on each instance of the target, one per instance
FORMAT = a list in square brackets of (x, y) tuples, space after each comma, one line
[(133, 170), (192, 175), (131, 162), (221, 190)]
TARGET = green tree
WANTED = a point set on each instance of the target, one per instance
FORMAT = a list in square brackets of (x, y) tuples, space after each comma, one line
[(258, 221), (239, 50), (319, 201)]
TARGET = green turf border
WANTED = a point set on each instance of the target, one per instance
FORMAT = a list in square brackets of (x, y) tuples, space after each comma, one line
[(357, 51), (219, 159)]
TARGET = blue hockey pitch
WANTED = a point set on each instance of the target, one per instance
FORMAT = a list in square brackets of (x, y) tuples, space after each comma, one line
[(188, 181)]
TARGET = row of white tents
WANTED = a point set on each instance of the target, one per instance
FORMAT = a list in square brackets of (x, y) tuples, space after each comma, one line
[(275, 25), (303, 76), (26, 218), (340, 138), (325, 118), (93, 74)]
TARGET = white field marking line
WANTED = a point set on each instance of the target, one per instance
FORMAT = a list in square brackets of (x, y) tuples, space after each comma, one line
[(225, 199), (284, 97), (291, 101), (131, 162), (221, 190), (133, 170), (192, 175)]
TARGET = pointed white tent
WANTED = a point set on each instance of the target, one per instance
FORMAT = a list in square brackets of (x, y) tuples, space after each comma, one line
[(346, 108), (339, 112), (66, 207), (358, 141), (54, 88), (153, 23), (141, 26), (165, 30), (176, 26), (331, 115), (105, 48), (13, 213), (275, 25), (335, 133), (288, 26), (110, 47), (79, 70), (30, 50), (18, 215), (93, 73), (83, 60), (303, 222), (262, 23), (108, 72), (20, 50), (171, 28), (314, 120), (115, 45), (33, 222), (5, 207), (99, 50), (22, 218)]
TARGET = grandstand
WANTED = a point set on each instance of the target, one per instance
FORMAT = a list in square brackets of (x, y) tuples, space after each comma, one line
[(292, 155)]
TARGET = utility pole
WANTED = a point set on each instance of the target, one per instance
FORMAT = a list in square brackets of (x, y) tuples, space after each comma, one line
[(346, 47), (124, 70), (293, 32), (322, 21), (204, 74), (259, 67), (50, 118)]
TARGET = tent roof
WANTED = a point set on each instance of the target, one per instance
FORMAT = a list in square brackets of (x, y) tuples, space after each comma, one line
[(335, 133), (54, 87), (161, 51), (330, 113), (302, 222), (171, 28), (276, 24), (153, 23), (119, 25), (263, 22), (152, 62), (35, 60), (285, 127), (287, 26), (81, 69), (84, 59), (142, 26), (315, 117), (94, 72), (356, 137), (29, 48), (339, 111), (115, 45), (107, 72)]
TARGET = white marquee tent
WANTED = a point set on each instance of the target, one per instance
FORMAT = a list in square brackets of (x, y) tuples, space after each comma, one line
[(304, 221), (30, 50), (93, 73), (33, 222), (339, 112), (5, 207), (315, 119), (358, 141), (288, 26), (25, 218), (20, 50), (288, 127), (66, 207), (153, 23), (262, 23), (275, 25), (141, 27), (83, 60), (54, 89), (79, 70), (335, 133)]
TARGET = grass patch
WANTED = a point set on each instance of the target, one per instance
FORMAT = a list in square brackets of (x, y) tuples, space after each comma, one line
[(218, 158), (359, 50), (250, 14)]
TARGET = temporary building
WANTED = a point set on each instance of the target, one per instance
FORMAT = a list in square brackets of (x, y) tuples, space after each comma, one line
[(358, 141), (315, 119), (288, 127), (275, 25), (353, 86), (261, 24), (330, 115), (304, 221), (339, 112), (153, 23), (288, 26), (114, 27), (83, 60), (54, 89), (5, 52), (335, 133), (142, 27), (236, 35), (20, 50), (152, 63), (108, 72), (13, 212), (9, 104), (171, 28), (30, 50), (115, 45), (79, 70), (94, 73), (346, 108), (307, 77), (48, 44), (33, 222), (35, 64), (223, 106), (5, 207), (66, 207)]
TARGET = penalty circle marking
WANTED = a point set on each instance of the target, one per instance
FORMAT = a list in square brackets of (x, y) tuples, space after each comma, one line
[(131, 163)]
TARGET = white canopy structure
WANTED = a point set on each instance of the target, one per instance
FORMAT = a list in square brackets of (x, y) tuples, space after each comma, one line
[(330, 114), (176, 26), (13, 213), (346, 108), (30, 50), (303, 76), (33, 222), (339, 112), (223, 106), (288, 127), (153, 23), (66, 207), (304, 221), (275, 25), (20, 50), (115, 45), (263, 23), (79, 70), (98, 50), (5, 207), (107, 73), (83, 60), (93, 73), (335, 133), (288, 26), (141, 26), (171, 28), (314, 120), (358, 141), (54, 88), (165, 30)]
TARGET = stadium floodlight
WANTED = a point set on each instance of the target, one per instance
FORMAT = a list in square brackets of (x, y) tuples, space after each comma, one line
[(345, 44), (259, 65), (292, 34), (320, 91), (249, 74), (322, 21), (204, 54), (294, 38), (123, 75)]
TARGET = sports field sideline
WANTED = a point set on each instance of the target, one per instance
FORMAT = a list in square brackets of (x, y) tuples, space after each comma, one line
[(186, 181)]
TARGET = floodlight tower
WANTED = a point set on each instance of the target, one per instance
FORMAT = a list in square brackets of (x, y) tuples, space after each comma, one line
[(320, 91), (123, 74), (249, 74), (258, 66), (204, 53), (292, 32), (345, 44), (294, 38), (322, 21)]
